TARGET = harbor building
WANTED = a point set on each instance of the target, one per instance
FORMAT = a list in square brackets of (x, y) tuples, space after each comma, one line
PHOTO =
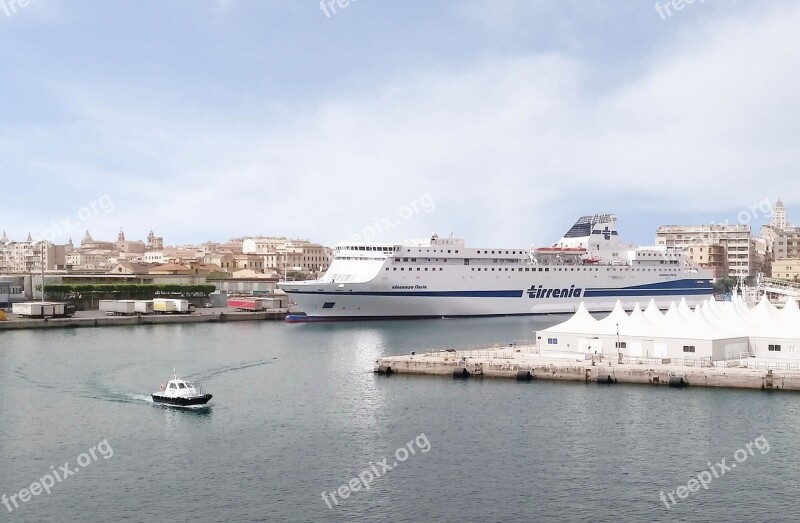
[(736, 240)]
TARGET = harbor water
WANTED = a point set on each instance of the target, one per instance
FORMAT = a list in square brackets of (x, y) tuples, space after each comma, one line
[(297, 412)]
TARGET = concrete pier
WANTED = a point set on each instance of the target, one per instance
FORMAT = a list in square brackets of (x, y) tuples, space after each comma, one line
[(527, 364), (96, 319)]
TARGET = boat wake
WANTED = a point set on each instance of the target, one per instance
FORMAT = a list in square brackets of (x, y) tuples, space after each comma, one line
[(207, 375)]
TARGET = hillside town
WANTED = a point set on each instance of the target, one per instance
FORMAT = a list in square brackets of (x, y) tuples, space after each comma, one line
[(250, 265)]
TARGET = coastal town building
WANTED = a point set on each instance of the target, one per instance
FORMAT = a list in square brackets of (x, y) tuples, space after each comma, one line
[(782, 240), (786, 269), (29, 255), (737, 241), (711, 256), (282, 254)]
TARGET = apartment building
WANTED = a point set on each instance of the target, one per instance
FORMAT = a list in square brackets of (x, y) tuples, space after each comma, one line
[(737, 240)]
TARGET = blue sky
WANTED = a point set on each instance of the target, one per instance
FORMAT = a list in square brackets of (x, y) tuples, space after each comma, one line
[(218, 118)]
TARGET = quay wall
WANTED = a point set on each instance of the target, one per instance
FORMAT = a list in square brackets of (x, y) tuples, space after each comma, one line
[(155, 319), (517, 367)]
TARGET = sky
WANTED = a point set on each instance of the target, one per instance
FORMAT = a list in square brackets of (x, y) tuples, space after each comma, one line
[(498, 121)]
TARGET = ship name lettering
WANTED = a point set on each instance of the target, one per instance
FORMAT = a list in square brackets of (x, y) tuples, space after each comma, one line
[(541, 292)]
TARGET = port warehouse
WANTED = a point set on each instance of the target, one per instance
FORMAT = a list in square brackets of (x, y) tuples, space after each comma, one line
[(714, 334)]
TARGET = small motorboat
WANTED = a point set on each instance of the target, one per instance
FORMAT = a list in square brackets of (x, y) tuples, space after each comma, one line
[(181, 393)]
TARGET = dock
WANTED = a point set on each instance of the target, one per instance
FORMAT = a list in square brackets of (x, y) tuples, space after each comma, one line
[(96, 319), (528, 364)]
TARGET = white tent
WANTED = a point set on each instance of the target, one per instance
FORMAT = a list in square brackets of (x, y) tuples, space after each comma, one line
[(716, 330)]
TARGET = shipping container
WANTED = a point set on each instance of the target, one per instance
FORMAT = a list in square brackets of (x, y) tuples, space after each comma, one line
[(124, 307), (27, 309), (38, 309), (246, 304), (143, 306), (163, 305), (181, 306)]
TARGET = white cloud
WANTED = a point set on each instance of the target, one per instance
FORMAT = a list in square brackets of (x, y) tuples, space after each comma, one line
[(511, 149)]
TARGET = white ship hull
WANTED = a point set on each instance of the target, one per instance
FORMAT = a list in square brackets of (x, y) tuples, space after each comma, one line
[(367, 301), (442, 278)]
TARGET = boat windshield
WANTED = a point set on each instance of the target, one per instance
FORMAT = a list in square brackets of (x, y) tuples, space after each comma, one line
[(181, 385)]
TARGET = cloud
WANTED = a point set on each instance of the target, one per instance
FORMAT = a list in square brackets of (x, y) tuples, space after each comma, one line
[(511, 148)]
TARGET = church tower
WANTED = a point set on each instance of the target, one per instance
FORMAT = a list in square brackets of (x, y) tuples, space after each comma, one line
[(779, 215)]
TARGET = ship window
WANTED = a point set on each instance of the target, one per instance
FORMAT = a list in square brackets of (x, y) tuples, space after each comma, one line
[(181, 386), (441, 269), (526, 269), (172, 386), (394, 269), (402, 268), (688, 348), (426, 268), (547, 269), (418, 268), (328, 304), (775, 348), (492, 269)]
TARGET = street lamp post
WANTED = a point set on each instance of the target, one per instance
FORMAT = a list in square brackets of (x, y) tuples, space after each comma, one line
[(41, 263)]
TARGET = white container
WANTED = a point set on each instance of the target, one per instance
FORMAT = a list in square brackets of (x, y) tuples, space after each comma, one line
[(163, 305), (28, 309), (181, 306), (58, 309), (143, 307), (118, 306)]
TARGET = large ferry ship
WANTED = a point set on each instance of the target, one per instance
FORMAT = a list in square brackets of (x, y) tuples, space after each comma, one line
[(442, 277)]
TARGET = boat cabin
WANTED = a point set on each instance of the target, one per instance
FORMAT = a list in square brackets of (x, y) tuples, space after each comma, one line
[(178, 387)]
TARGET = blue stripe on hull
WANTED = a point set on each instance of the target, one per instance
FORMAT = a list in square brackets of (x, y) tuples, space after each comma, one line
[(444, 294), (299, 318), (602, 293)]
